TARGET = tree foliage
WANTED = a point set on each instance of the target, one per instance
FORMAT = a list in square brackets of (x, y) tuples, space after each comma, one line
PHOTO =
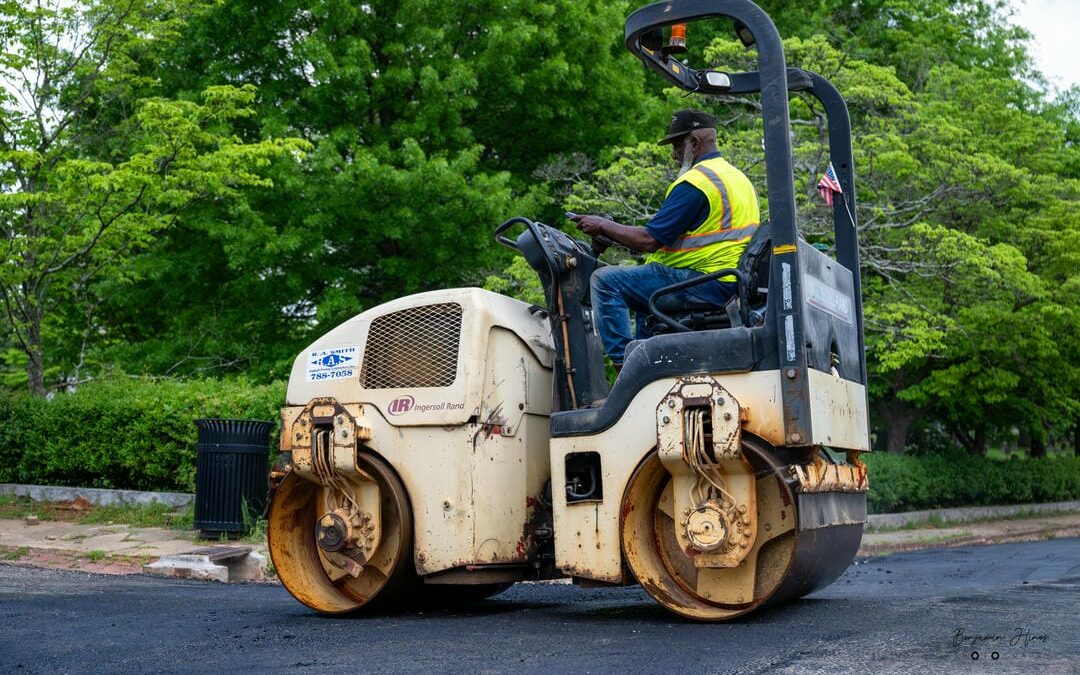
[(967, 204), (427, 121), (84, 186)]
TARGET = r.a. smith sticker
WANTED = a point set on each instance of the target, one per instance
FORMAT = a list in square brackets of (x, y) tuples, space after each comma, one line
[(336, 363)]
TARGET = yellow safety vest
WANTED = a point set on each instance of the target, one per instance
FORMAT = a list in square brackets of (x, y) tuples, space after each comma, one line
[(733, 218)]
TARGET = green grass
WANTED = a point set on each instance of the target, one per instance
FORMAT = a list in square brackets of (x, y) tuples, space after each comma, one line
[(12, 507), (141, 515), (96, 556), (255, 532), (136, 515), (933, 522), (254, 525), (13, 553), (940, 538)]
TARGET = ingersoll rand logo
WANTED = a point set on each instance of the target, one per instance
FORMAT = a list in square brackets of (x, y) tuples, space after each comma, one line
[(402, 405), (406, 404)]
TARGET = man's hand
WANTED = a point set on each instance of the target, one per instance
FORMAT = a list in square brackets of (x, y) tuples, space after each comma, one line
[(591, 225), (633, 238)]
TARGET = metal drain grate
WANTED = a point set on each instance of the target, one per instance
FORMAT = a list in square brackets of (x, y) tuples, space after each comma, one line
[(416, 347)]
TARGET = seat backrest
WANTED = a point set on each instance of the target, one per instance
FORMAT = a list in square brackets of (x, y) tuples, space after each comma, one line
[(754, 262)]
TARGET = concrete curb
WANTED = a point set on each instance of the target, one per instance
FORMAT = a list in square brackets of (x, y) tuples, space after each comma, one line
[(969, 513), (99, 496)]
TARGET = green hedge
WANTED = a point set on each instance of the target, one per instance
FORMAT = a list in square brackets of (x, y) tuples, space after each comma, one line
[(122, 432), (139, 434), (906, 483)]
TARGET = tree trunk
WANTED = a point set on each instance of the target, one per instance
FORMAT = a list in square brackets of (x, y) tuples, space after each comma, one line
[(973, 443), (896, 438), (896, 418), (1038, 446), (35, 357)]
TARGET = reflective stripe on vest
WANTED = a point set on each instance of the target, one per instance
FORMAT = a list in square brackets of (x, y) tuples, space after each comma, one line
[(725, 222), (695, 241), (719, 241)]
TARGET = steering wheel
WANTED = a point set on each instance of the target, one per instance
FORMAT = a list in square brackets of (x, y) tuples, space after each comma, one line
[(696, 281)]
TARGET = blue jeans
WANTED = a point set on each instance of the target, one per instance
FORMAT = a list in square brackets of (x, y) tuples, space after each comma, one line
[(616, 291)]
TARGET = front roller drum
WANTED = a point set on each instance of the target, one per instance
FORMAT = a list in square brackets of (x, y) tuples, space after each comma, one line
[(298, 515), (784, 563)]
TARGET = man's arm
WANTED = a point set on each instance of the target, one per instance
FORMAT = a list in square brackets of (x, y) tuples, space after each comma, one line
[(633, 238), (685, 209)]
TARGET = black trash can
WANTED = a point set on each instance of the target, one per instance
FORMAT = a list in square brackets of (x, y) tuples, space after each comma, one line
[(230, 473)]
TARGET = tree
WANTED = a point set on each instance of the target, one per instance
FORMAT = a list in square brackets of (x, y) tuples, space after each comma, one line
[(85, 182), (427, 121), (914, 36)]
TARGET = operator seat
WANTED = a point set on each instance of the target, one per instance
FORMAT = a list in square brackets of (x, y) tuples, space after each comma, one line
[(746, 307), (671, 353)]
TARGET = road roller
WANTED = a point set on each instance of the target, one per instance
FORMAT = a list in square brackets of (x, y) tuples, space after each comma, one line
[(440, 447)]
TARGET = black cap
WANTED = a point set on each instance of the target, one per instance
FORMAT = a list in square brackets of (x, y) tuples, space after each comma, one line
[(685, 121)]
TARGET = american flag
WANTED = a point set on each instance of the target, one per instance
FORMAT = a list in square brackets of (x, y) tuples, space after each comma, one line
[(828, 185)]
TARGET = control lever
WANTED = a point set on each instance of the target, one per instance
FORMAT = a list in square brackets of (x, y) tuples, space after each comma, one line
[(598, 243)]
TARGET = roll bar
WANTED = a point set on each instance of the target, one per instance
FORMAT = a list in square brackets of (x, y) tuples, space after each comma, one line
[(773, 80), (773, 74)]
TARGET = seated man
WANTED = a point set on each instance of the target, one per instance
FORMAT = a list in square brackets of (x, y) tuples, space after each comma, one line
[(707, 218)]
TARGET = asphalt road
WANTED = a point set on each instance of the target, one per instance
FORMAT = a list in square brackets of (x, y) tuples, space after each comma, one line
[(1014, 606)]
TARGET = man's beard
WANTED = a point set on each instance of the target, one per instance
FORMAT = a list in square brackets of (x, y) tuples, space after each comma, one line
[(687, 160)]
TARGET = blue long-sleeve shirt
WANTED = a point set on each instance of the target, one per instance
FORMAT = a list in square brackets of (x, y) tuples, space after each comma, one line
[(684, 210)]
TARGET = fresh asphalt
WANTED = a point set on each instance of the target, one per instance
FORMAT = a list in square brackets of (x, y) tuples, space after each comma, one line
[(1008, 608)]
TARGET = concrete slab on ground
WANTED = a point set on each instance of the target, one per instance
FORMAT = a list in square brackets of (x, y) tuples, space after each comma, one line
[(117, 549), (117, 539), (212, 563)]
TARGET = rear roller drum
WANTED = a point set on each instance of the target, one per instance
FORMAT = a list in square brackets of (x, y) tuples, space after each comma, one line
[(300, 528), (783, 563)]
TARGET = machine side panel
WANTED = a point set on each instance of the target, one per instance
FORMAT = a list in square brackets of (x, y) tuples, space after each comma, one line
[(829, 315), (587, 532), (472, 487), (838, 412), (434, 464), (510, 450)]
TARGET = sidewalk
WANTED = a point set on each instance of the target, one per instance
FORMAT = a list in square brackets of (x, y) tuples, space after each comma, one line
[(971, 534), (107, 549), (123, 549)]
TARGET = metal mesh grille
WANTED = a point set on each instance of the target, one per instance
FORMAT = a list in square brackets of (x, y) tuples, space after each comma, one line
[(416, 347)]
